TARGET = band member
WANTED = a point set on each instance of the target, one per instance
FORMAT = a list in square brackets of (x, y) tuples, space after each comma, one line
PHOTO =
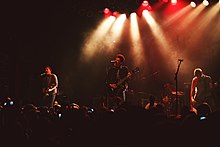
[(117, 82), (152, 103), (201, 90), (49, 87)]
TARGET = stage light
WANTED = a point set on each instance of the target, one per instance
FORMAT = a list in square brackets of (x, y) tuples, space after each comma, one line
[(173, 2), (145, 3), (146, 6), (205, 2), (115, 13), (107, 12), (193, 4), (133, 14)]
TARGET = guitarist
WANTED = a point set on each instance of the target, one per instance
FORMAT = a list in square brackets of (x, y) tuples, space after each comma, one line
[(49, 87), (117, 82), (201, 90)]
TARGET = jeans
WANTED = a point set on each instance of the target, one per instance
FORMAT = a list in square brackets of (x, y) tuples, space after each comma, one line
[(48, 100)]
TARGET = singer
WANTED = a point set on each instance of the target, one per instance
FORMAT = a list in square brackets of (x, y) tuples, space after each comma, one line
[(49, 87), (116, 82)]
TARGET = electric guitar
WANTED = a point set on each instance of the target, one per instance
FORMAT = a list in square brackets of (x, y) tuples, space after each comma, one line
[(115, 87), (46, 91)]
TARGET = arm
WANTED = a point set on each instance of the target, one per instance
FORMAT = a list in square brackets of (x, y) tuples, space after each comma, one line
[(124, 76), (55, 84), (193, 92)]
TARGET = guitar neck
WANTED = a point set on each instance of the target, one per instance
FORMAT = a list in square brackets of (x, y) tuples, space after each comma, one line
[(127, 76), (121, 81)]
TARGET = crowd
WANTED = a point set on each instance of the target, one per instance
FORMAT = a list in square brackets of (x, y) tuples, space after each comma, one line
[(75, 125)]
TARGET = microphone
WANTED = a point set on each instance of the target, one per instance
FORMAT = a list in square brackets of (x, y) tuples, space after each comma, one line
[(181, 60), (112, 61), (42, 74)]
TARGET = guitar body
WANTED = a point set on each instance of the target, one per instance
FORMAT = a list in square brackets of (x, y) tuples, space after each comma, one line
[(116, 85), (45, 91), (116, 89)]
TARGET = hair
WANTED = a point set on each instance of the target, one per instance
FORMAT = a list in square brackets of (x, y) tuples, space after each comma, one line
[(121, 57), (152, 100), (48, 66), (198, 71)]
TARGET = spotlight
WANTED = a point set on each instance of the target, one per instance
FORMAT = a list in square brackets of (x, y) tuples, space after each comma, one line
[(173, 2), (107, 12), (193, 4), (145, 3), (146, 6), (115, 13), (205, 2)]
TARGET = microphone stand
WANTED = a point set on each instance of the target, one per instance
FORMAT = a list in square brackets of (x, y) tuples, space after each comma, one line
[(176, 79)]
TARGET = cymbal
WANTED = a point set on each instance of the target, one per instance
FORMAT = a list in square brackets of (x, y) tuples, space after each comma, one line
[(179, 93)]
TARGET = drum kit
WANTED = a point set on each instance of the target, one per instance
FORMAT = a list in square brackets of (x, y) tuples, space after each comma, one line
[(169, 96), (138, 98), (166, 97)]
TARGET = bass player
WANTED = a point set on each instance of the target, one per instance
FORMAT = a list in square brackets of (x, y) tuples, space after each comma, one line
[(49, 87), (117, 82)]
